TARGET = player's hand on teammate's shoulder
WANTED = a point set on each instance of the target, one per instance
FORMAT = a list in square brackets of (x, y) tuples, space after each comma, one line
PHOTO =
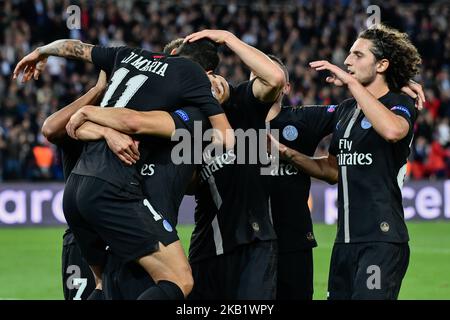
[(218, 36), (415, 91), (338, 76)]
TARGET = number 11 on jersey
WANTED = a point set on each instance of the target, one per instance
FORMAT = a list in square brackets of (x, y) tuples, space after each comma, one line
[(132, 86)]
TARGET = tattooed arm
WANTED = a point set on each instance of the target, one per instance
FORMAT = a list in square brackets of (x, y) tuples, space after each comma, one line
[(67, 48), (31, 65)]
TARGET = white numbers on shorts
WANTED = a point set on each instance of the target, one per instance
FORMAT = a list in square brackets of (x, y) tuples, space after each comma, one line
[(155, 214), (132, 86), (82, 283)]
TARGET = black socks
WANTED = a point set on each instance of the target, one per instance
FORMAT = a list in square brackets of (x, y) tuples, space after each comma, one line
[(163, 290)]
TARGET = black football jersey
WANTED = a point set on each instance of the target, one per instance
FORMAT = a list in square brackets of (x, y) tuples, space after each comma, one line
[(301, 129), (143, 81), (232, 199), (371, 174)]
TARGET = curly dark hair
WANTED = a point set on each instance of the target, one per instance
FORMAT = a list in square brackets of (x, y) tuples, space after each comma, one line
[(395, 46)]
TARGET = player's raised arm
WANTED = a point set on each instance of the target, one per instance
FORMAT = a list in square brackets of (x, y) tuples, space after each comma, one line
[(323, 168), (270, 78), (66, 48), (54, 127), (386, 123)]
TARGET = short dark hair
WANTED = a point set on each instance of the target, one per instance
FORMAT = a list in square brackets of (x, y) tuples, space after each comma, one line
[(395, 46), (281, 64), (203, 51), (174, 44)]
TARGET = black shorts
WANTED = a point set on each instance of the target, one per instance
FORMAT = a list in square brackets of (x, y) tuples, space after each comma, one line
[(102, 214), (295, 275), (246, 273), (124, 281), (373, 270), (74, 266)]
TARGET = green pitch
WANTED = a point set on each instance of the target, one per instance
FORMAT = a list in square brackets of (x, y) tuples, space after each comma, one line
[(30, 261)]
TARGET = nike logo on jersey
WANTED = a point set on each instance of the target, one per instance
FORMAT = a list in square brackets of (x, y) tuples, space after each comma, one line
[(143, 64)]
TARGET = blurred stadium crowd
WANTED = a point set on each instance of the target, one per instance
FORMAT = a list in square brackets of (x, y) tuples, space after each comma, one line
[(297, 31)]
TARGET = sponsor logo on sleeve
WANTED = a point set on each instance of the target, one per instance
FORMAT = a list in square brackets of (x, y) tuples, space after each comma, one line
[(183, 115), (402, 109), (331, 108)]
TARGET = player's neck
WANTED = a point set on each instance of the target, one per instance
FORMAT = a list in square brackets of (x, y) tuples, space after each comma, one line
[(378, 87)]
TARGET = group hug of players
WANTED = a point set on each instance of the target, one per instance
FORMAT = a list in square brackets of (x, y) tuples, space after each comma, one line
[(253, 235)]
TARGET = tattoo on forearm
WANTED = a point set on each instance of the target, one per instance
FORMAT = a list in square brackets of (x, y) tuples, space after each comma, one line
[(73, 49)]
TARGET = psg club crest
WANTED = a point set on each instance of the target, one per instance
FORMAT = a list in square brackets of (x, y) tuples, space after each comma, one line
[(365, 123), (290, 133)]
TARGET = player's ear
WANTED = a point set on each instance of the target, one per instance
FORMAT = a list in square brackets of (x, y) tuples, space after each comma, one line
[(287, 88), (174, 51), (382, 65)]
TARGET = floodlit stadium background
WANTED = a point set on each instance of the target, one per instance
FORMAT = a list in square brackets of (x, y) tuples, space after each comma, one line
[(31, 221)]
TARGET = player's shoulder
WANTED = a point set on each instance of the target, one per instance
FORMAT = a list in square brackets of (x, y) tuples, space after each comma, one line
[(400, 102), (350, 102), (398, 98)]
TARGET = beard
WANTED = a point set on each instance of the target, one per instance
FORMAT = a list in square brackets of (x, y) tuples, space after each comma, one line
[(368, 78)]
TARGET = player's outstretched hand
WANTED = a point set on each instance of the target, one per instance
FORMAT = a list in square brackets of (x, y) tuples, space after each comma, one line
[(415, 91), (218, 36), (31, 66), (338, 76), (123, 146)]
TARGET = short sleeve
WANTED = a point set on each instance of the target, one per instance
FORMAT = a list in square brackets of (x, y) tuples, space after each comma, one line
[(196, 89), (243, 109), (190, 118), (319, 119), (404, 107), (104, 57)]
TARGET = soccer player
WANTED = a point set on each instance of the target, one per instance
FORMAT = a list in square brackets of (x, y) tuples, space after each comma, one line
[(233, 245), (54, 130), (112, 207), (367, 158), (128, 280), (300, 128)]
